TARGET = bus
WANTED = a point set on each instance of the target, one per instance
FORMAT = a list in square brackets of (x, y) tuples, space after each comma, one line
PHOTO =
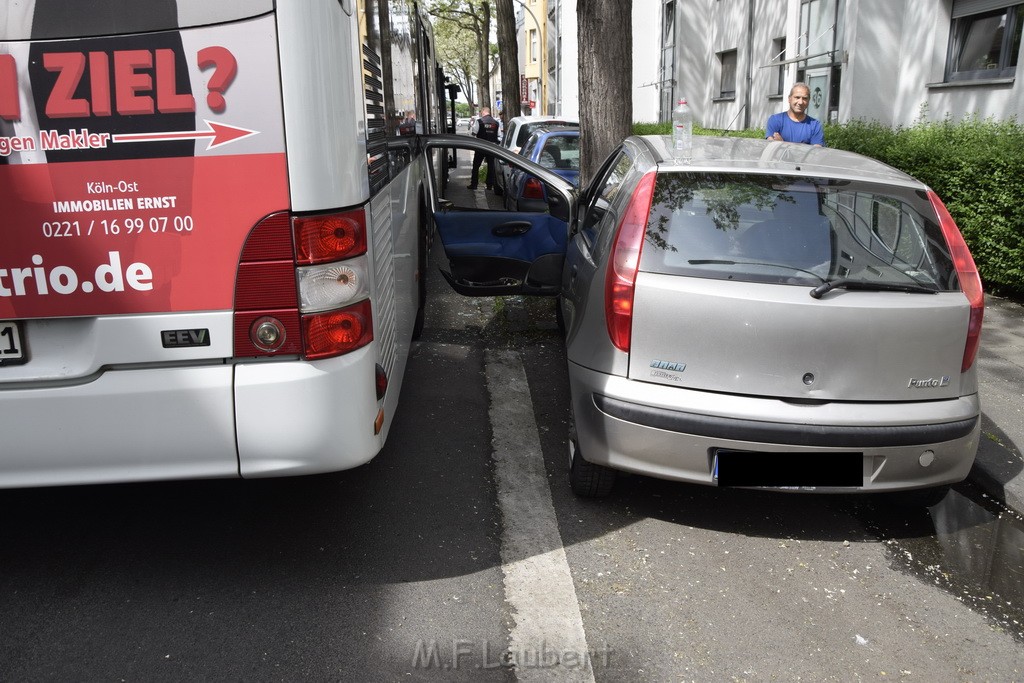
[(214, 234)]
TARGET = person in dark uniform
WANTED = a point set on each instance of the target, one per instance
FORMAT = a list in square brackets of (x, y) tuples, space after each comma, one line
[(485, 128)]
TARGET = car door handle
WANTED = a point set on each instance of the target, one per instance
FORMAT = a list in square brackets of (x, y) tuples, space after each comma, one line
[(511, 229)]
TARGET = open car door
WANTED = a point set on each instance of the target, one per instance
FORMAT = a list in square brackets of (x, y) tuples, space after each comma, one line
[(492, 251)]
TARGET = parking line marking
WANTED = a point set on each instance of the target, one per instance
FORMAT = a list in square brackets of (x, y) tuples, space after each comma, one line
[(547, 640)]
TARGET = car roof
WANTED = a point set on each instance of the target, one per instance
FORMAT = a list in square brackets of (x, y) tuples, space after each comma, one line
[(556, 131), (531, 119), (755, 155)]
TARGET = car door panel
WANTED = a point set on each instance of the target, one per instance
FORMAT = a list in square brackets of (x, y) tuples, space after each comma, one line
[(502, 252)]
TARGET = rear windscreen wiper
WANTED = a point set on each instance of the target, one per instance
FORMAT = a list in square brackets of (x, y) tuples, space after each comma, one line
[(838, 283)]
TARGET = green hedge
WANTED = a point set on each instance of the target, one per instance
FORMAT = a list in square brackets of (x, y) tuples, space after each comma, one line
[(976, 166)]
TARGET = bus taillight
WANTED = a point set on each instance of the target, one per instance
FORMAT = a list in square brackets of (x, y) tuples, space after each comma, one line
[(332, 285), (330, 237), (381, 378), (302, 287), (337, 332), (333, 275)]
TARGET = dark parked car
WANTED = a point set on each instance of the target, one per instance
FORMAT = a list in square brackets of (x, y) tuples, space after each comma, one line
[(515, 135), (557, 149)]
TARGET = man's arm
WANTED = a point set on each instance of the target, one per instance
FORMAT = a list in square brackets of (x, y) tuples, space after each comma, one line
[(772, 127), (817, 134)]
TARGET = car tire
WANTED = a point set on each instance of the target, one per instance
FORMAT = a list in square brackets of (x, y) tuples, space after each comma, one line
[(586, 479), (918, 498), (421, 289)]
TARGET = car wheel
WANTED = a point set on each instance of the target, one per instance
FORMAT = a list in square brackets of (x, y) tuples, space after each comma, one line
[(421, 293), (559, 317), (585, 478), (918, 498)]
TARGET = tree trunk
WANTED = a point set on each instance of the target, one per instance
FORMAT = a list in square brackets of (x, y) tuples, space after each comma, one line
[(606, 79), (508, 51), (465, 81), (484, 40)]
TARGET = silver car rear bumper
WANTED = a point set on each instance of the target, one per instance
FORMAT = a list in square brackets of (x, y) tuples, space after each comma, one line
[(675, 433)]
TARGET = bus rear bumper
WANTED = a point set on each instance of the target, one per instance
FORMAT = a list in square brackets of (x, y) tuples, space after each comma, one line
[(305, 418), (212, 421), (123, 425)]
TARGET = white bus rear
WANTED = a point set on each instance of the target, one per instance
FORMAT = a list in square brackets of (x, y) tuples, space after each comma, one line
[(212, 234)]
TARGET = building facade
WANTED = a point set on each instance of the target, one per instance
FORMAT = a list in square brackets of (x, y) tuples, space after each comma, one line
[(562, 87), (891, 61), (535, 30), (895, 62)]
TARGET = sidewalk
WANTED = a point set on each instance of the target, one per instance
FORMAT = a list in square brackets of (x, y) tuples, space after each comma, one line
[(999, 468), (459, 192)]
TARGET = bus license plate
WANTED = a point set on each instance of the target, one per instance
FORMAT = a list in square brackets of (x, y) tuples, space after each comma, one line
[(12, 343)]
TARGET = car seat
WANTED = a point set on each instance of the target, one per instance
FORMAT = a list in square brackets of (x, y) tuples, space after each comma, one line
[(550, 157)]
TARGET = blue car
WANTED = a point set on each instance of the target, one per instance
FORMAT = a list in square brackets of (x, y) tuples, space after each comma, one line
[(554, 148)]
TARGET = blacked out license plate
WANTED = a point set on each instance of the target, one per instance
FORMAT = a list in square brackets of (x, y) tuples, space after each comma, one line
[(788, 470), (12, 343)]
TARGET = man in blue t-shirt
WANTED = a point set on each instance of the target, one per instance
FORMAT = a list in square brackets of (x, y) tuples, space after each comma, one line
[(795, 125)]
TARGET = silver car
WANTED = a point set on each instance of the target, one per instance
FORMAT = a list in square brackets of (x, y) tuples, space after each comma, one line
[(770, 315)]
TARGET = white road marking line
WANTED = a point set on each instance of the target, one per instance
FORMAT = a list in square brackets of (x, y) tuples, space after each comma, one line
[(547, 641)]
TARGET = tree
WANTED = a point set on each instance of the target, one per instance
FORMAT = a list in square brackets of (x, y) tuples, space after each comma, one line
[(508, 49), (456, 53), (475, 17), (606, 79)]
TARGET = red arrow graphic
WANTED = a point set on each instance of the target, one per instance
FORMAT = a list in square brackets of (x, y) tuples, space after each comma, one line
[(219, 134)]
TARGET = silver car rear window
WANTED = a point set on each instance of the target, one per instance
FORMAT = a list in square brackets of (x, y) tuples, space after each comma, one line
[(781, 229)]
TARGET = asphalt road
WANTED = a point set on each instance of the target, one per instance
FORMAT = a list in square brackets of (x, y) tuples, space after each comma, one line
[(459, 553)]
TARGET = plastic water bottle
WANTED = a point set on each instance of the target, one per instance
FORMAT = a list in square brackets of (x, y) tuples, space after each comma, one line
[(682, 131)]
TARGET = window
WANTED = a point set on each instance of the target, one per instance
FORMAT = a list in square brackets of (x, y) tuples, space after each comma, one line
[(819, 39), (792, 230), (554, 47), (561, 151), (533, 46), (728, 81), (667, 70), (613, 174), (778, 82), (984, 44)]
